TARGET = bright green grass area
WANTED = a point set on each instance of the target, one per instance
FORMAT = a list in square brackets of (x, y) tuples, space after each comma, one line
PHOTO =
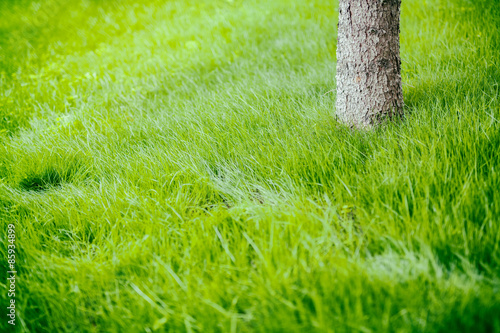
[(175, 166)]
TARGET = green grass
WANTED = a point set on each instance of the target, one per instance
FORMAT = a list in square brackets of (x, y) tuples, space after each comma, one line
[(176, 166)]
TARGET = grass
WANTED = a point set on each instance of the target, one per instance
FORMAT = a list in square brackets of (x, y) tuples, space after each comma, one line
[(175, 166)]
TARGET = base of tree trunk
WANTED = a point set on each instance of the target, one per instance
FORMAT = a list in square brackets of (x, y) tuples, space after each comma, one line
[(369, 88)]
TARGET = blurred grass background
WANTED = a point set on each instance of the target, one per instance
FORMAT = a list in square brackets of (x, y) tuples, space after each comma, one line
[(176, 166)]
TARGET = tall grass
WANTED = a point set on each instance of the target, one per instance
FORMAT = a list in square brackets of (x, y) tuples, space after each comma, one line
[(176, 166)]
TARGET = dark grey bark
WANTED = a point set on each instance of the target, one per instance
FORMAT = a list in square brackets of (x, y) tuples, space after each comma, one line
[(368, 63)]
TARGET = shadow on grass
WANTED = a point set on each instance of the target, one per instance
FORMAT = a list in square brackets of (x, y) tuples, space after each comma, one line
[(42, 181), (51, 177)]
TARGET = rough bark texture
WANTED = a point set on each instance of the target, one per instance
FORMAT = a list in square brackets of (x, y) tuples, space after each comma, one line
[(368, 63)]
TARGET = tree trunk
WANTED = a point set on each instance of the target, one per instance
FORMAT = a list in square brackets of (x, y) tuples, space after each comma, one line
[(368, 64)]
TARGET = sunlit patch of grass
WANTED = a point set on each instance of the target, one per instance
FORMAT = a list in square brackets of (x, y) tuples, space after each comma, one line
[(176, 166)]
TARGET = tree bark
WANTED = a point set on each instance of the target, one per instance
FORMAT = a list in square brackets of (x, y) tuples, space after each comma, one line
[(368, 63)]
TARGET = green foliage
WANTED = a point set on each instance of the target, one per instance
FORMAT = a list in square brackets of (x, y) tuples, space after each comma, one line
[(176, 166)]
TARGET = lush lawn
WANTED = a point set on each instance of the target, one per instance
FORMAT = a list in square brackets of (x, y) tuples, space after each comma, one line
[(176, 166)]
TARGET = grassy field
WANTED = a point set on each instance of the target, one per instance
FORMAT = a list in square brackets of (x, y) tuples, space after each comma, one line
[(175, 166)]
